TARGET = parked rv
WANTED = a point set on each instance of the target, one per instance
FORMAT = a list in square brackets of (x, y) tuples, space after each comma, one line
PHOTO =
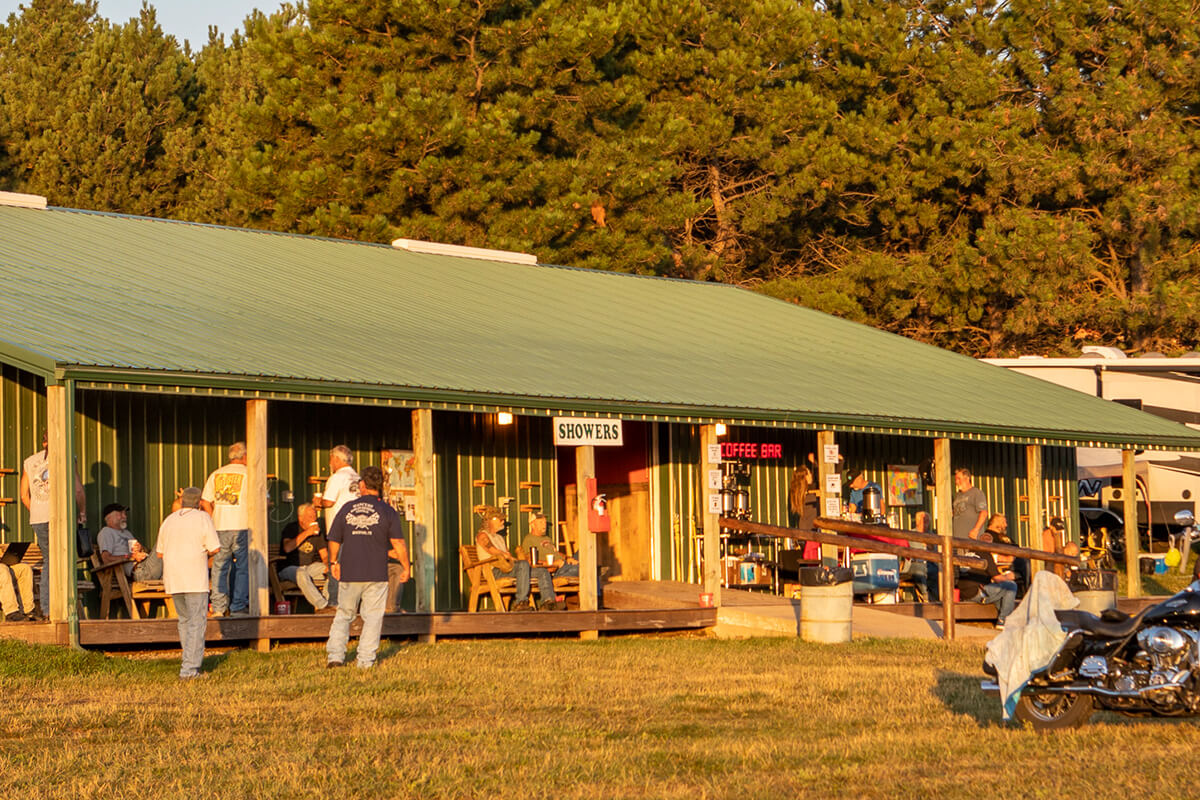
[(1167, 482)]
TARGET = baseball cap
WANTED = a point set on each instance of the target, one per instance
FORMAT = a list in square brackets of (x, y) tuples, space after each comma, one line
[(190, 497), (111, 507)]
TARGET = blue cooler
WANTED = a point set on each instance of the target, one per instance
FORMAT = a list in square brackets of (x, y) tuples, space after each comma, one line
[(875, 572)]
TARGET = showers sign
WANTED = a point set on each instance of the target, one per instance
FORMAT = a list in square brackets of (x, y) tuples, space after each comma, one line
[(584, 431)]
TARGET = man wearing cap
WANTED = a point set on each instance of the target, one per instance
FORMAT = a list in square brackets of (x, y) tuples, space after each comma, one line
[(116, 543), (858, 487), (1054, 540), (538, 538), (35, 496), (187, 541), (224, 498), (490, 544), (363, 534)]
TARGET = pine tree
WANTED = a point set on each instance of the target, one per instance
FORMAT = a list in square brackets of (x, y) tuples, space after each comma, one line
[(96, 116)]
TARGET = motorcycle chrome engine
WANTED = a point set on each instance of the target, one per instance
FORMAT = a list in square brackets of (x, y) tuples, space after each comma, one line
[(1167, 647), (1094, 667)]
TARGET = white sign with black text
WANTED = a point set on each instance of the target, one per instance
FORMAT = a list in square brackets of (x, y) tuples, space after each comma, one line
[(714, 479), (583, 431)]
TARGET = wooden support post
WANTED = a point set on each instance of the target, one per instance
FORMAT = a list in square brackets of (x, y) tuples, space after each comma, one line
[(60, 439), (710, 526), (1133, 577), (424, 556), (1034, 490), (944, 497), (256, 512), (585, 470), (828, 552)]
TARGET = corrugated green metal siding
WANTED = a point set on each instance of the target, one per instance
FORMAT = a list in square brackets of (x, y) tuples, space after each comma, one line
[(22, 420), (680, 502), (473, 448), (875, 454), (1060, 474), (138, 449)]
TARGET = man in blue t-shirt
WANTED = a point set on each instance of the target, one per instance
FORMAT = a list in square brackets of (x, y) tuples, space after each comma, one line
[(858, 485), (364, 533)]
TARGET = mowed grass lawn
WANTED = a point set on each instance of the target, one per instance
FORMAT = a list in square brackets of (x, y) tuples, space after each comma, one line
[(670, 716)]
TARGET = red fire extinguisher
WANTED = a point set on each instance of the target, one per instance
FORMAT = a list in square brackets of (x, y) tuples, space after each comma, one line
[(598, 519)]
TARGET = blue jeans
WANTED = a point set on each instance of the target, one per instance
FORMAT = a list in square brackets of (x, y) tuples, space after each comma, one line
[(303, 577), (41, 532), (524, 575), (365, 598), (227, 578), (192, 610), (1001, 594)]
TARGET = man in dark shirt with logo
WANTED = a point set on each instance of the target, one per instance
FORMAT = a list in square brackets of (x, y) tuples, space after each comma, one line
[(364, 532), (304, 556)]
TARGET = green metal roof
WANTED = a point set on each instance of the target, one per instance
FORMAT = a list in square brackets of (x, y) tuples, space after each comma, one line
[(125, 302)]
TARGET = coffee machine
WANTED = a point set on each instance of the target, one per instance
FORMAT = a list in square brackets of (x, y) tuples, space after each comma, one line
[(735, 490)]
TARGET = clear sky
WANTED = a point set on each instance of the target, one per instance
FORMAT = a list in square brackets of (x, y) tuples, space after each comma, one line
[(184, 19)]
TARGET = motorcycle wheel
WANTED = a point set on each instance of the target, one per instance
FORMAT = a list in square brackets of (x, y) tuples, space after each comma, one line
[(1051, 712)]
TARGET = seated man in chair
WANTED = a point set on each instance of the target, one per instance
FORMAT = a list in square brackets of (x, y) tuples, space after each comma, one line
[(490, 543), (545, 546), (990, 585), (116, 543), (305, 560), (16, 592)]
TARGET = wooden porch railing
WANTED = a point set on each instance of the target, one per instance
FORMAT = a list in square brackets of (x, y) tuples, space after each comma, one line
[(850, 534)]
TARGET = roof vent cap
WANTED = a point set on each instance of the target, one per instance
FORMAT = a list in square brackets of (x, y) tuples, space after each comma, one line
[(483, 254), (22, 200), (1103, 352)]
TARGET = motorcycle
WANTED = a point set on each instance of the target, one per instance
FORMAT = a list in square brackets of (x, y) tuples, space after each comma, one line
[(1147, 664)]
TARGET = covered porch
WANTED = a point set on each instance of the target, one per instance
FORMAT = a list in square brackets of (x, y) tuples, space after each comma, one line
[(446, 361)]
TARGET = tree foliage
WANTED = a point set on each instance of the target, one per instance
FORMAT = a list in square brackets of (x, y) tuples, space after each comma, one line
[(992, 177)]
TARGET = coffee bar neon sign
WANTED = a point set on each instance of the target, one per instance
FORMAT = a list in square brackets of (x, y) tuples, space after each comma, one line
[(751, 450)]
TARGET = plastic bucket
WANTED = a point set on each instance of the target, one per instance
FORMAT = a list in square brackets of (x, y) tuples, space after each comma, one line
[(1096, 601), (825, 612)]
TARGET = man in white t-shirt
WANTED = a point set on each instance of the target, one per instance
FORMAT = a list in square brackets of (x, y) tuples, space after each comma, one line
[(187, 541), (340, 488), (224, 498), (35, 496), (342, 485)]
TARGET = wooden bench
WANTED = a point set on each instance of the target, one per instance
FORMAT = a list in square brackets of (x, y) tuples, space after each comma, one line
[(281, 590), (563, 586)]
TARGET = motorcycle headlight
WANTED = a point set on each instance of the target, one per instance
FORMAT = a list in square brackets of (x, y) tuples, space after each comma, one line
[(1161, 640)]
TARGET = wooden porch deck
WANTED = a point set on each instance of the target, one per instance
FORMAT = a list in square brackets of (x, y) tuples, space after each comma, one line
[(237, 630)]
